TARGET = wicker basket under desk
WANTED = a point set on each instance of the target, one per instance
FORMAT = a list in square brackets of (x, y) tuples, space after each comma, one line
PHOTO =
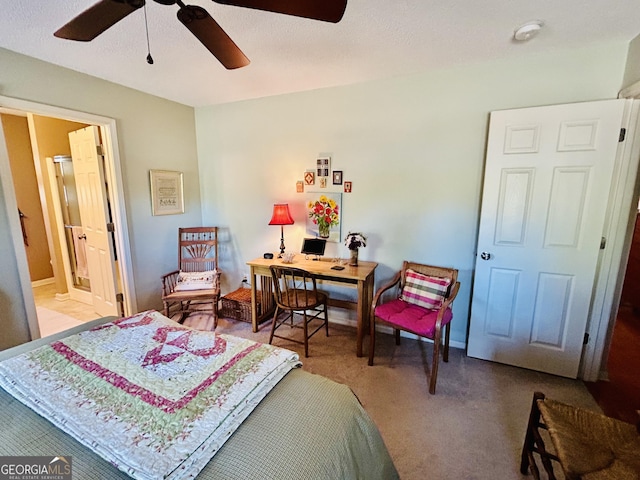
[(237, 305)]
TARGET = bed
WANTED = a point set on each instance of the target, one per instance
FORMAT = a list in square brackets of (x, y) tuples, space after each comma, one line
[(304, 427)]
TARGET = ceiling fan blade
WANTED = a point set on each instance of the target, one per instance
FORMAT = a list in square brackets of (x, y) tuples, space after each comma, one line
[(95, 20), (325, 10), (207, 30)]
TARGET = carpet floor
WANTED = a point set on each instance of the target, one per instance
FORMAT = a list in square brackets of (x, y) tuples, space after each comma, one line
[(472, 428)]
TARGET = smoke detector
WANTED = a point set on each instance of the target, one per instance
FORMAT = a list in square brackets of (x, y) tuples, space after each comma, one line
[(527, 31)]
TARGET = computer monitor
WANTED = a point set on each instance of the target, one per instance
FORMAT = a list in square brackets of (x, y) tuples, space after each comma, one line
[(313, 246)]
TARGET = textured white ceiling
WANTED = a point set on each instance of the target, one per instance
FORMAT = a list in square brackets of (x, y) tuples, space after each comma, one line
[(375, 39)]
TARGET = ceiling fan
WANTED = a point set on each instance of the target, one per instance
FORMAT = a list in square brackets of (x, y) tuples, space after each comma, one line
[(106, 13)]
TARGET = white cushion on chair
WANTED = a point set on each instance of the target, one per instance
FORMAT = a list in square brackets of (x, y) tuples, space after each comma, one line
[(196, 280)]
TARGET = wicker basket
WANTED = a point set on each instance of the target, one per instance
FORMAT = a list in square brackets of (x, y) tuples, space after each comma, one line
[(237, 305)]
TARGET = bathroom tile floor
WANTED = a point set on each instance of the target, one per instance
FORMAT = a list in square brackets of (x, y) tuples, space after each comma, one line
[(55, 315)]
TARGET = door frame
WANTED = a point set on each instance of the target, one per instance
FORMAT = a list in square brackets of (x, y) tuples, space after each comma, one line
[(619, 223), (607, 296), (113, 174)]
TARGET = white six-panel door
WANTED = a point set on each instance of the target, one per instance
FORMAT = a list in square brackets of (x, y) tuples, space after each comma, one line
[(92, 200), (547, 181)]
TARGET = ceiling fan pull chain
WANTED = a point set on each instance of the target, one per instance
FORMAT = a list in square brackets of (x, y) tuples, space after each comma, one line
[(146, 27)]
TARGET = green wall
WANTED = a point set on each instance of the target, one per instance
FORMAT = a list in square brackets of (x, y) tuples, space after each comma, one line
[(13, 321), (632, 71), (153, 133), (412, 146)]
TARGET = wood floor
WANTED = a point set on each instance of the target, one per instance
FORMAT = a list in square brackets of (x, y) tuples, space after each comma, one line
[(55, 315), (619, 397)]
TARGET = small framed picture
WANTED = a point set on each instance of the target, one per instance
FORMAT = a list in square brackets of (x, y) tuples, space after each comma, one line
[(299, 186), (323, 182), (347, 187), (337, 177), (323, 166), (166, 192), (309, 178)]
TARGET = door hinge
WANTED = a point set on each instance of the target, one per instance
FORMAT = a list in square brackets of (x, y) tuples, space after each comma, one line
[(623, 134), (111, 227), (603, 243), (119, 297), (586, 339), (100, 150)]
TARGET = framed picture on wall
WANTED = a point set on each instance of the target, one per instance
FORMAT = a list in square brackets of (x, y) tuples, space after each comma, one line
[(324, 215), (323, 166), (166, 192), (337, 177), (309, 178)]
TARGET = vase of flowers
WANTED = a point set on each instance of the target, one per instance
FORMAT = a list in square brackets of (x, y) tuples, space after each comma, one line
[(324, 213), (354, 241)]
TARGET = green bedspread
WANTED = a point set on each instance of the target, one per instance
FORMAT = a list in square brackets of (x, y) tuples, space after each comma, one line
[(307, 427)]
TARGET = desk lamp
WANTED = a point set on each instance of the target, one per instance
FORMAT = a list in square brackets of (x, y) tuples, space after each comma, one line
[(281, 216)]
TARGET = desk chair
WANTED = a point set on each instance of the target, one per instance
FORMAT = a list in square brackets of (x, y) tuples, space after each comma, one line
[(195, 286), (421, 305), (295, 293)]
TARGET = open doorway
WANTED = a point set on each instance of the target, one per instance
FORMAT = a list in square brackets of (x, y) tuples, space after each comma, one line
[(36, 184), (63, 284), (619, 394), (618, 391)]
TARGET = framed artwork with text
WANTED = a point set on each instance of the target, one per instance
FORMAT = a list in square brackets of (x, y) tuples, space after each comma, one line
[(166, 192)]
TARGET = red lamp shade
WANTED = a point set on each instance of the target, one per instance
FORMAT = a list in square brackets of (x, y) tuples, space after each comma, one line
[(281, 215)]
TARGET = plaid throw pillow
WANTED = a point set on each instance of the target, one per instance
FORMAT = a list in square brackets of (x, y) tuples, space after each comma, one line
[(423, 290)]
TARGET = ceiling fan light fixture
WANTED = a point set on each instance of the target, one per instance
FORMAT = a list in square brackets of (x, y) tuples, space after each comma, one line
[(527, 31), (101, 16)]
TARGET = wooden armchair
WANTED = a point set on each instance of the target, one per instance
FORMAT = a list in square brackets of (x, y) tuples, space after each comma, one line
[(195, 286), (421, 305)]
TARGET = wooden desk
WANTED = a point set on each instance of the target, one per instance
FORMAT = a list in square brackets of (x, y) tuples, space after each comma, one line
[(360, 277)]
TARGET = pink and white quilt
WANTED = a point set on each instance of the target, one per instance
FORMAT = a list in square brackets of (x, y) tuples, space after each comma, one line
[(155, 398)]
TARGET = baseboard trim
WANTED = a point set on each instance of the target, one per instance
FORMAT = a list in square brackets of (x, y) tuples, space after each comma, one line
[(44, 281)]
